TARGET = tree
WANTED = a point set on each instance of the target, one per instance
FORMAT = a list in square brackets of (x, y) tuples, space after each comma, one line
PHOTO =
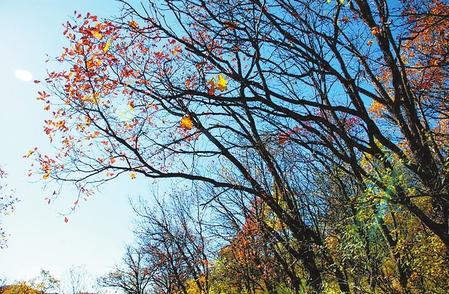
[(133, 277), (20, 288), (42, 284), (174, 239), (244, 96), (46, 283), (75, 280), (6, 206)]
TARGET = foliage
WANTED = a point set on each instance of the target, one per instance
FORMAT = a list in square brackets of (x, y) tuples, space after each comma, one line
[(20, 288)]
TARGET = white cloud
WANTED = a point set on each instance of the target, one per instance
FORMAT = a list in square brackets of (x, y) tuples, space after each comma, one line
[(23, 75)]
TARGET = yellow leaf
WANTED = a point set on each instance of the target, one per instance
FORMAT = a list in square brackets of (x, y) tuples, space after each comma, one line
[(186, 123), (95, 98), (107, 45), (29, 153), (133, 175), (222, 84), (45, 176), (97, 35)]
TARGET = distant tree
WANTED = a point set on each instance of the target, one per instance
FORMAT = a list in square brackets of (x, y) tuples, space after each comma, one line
[(173, 236), (42, 284), (2, 283), (133, 276), (6, 205), (75, 280), (20, 288), (46, 282)]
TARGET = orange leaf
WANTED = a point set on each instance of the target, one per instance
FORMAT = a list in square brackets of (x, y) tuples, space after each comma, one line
[(211, 90), (282, 139), (230, 25), (133, 24), (186, 123), (176, 50), (42, 95)]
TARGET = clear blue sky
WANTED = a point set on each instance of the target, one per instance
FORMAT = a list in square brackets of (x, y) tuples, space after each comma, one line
[(39, 238)]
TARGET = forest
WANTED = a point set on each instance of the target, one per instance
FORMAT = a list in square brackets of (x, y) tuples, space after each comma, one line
[(303, 143)]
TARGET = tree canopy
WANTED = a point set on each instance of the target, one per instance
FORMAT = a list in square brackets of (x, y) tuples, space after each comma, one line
[(317, 129)]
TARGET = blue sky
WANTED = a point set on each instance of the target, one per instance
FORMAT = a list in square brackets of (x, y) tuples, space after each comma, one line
[(97, 232)]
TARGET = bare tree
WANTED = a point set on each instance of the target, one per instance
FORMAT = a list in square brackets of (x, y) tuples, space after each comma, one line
[(75, 280), (133, 276), (174, 239)]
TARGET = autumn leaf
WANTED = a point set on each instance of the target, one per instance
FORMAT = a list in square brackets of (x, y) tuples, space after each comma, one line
[(176, 50), (107, 45), (66, 220), (376, 109), (186, 123), (97, 35), (45, 176), (133, 175), (222, 84), (131, 105), (282, 139), (133, 24), (42, 95), (211, 89), (230, 25), (94, 99), (30, 152)]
